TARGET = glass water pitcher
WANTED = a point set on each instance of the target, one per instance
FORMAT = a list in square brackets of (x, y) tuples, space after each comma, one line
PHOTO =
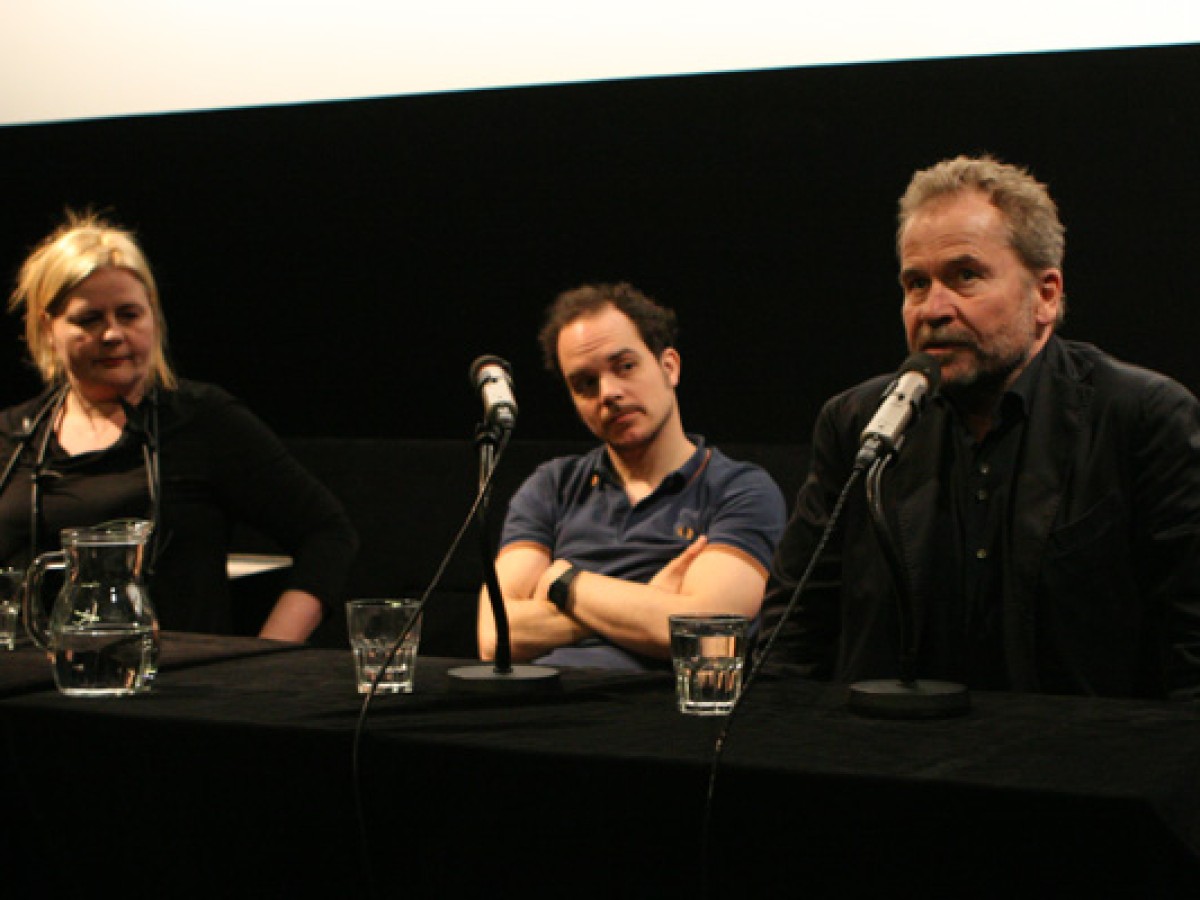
[(102, 632)]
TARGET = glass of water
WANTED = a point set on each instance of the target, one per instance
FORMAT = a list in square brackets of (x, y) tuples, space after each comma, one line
[(10, 606), (708, 652), (375, 627)]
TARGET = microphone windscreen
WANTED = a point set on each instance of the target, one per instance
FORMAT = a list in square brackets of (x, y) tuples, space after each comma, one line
[(925, 364), (483, 362)]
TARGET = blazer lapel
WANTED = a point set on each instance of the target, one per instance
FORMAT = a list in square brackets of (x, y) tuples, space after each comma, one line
[(1057, 413)]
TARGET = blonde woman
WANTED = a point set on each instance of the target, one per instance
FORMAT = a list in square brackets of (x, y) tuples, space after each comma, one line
[(116, 434)]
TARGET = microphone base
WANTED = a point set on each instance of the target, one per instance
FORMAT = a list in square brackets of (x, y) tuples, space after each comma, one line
[(484, 679), (896, 699)]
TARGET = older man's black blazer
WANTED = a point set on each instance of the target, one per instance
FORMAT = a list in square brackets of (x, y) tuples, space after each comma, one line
[(1100, 562)]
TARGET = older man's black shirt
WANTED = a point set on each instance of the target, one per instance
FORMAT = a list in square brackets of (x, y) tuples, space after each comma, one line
[(977, 496)]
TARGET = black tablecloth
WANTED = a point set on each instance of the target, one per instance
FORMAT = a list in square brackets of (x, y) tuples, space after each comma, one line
[(251, 770)]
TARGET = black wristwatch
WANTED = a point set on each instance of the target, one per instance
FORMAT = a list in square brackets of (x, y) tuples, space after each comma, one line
[(560, 587)]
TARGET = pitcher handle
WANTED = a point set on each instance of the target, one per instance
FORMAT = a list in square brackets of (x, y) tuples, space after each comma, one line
[(32, 610)]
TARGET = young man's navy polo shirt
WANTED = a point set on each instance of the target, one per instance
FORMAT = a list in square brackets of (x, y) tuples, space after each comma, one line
[(576, 507)]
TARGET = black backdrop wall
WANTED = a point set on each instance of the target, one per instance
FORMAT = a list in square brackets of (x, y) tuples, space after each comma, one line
[(339, 265)]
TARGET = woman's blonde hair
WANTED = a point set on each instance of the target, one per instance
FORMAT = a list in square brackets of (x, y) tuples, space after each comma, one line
[(84, 244)]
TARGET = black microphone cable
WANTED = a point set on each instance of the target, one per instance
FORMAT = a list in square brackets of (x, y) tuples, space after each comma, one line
[(881, 452), (723, 734), (360, 726), (144, 426)]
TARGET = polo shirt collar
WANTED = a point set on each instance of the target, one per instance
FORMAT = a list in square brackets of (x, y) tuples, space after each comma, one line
[(673, 482)]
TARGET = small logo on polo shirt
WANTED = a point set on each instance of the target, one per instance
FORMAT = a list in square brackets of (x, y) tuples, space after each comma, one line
[(688, 525)]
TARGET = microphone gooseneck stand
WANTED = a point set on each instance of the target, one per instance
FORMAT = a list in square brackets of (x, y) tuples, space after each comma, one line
[(904, 697), (501, 676)]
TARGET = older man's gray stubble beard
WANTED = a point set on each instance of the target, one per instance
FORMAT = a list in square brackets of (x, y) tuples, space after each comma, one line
[(991, 375)]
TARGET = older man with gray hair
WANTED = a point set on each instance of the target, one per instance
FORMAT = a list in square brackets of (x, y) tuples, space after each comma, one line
[(1045, 509)]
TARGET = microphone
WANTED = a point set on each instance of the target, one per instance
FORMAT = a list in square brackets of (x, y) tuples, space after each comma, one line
[(918, 377), (491, 376)]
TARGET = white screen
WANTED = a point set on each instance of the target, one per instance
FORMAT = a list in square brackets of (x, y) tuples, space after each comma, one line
[(81, 59)]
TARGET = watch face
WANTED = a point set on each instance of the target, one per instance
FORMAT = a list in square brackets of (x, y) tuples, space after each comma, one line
[(560, 588), (558, 592)]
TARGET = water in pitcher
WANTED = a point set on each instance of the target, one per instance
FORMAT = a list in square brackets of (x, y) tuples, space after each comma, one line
[(103, 660)]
